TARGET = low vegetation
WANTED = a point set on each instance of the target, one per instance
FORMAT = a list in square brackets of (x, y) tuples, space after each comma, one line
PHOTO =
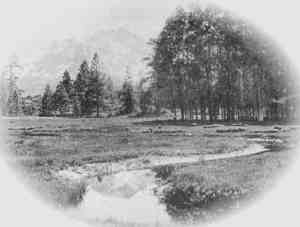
[(49, 145), (207, 190)]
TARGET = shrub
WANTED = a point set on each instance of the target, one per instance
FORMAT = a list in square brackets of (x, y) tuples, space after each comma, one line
[(187, 191)]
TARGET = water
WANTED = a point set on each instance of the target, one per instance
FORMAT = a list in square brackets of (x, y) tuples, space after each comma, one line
[(92, 170), (128, 195), (125, 197), (251, 150)]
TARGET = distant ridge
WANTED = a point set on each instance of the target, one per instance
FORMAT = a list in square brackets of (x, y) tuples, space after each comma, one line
[(117, 49)]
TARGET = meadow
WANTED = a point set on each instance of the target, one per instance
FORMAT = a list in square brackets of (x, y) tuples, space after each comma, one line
[(39, 148)]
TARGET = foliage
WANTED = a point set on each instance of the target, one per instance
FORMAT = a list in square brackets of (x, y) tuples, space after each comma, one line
[(146, 99), (60, 99), (46, 105), (127, 97), (81, 97), (207, 63), (11, 98), (95, 86)]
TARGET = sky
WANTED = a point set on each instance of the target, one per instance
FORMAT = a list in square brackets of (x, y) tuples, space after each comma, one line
[(32, 23), (28, 25)]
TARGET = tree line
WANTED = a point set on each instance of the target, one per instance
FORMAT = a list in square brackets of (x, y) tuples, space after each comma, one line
[(208, 65), (11, 102), (205, 65), (90, 94)]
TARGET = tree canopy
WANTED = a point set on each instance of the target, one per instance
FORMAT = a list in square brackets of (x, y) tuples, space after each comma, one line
[(210, 65)]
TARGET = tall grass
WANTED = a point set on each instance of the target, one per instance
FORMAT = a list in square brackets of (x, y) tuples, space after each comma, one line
[(72, 194), (188, 197)]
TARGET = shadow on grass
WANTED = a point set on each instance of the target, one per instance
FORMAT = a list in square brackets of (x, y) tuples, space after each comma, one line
[(208, 123)]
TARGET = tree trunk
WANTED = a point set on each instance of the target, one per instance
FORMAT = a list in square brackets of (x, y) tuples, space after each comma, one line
[(182, 113), (98, 107)]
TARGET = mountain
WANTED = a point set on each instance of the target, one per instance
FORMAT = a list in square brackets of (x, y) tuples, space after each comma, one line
[(118, 49)]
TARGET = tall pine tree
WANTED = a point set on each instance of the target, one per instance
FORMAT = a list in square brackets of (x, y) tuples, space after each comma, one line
[(13, 105), (126, 95), (61, 99), (67, 82), (80, 88), (96, 81)]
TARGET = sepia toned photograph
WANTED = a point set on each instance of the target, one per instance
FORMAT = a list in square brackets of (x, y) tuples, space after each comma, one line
[(150, 114)]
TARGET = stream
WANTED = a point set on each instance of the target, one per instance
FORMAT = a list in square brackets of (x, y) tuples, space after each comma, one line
[(125, 197), (129, 191)]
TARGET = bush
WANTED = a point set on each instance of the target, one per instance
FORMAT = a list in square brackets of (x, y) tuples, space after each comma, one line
[(187, 191), (163, 172)]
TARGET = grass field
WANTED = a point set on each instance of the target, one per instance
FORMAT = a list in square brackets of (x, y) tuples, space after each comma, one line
[(40, 147)]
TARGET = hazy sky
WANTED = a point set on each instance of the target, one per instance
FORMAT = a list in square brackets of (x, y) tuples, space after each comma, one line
[(27, 24), (31, 23)]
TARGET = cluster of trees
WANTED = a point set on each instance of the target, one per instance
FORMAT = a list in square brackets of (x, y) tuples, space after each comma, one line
[(211, 66), (11, 100), (88, 95), (206, 65), (79, 97)]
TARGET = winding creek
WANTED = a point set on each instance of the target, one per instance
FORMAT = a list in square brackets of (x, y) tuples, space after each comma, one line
[(129, 191)]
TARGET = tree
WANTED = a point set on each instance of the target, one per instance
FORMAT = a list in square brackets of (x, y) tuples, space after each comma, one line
[(80, 88), (95, 85), (61, 99), (126, 95), (32, 105), (13, 104), (145, 96), (3, 93), (47, 102), (206, 60), (67, 83)]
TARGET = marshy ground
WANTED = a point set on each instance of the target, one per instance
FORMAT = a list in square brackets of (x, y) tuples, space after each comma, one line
[(198, 171)]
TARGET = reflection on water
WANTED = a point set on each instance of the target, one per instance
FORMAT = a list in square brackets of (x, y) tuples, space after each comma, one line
[(126, 197), (135, 196)]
